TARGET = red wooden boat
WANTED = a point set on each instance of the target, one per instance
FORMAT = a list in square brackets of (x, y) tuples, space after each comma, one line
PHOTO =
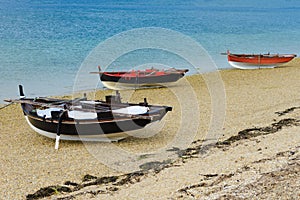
[(254, 61), (140, 78)]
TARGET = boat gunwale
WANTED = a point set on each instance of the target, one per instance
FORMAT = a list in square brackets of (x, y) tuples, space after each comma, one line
[(142, 74), (154, 112), (92, 121)]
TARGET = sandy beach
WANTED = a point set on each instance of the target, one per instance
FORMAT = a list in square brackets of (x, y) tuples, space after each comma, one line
[(232, 134)]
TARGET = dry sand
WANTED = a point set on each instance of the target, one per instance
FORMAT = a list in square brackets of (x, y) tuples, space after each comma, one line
[(257, 154)]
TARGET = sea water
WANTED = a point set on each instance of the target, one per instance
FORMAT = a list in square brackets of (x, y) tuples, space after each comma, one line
[(44, 43)]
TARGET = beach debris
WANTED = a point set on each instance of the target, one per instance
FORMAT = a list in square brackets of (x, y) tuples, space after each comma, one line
[(174, 149), (88, 177), (131, 178), (48, 191), (257, 185), (287, 111), (255, 132), (264, 182), (218, 179), (145, 156), (101, 180), (209, 175), (88, 180), (71, 183), (156, 165)]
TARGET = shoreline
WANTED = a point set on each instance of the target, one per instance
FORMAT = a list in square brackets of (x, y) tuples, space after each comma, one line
[(255, 100), (219, 70)]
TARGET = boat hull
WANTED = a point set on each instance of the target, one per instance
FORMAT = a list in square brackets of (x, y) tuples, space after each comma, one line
[(114, 127), (124, 86), (241, 65), (88, 120), (124, 80), (100, 137), (255, 61)]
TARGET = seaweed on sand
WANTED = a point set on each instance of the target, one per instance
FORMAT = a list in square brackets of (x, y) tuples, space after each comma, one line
[(255, 132), (116, 181)]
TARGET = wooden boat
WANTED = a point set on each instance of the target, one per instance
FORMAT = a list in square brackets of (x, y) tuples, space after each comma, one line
[(139, 78), (87, 120), (254, 61)]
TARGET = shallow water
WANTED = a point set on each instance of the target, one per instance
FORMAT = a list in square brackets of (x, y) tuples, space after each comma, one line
[(42, 45)]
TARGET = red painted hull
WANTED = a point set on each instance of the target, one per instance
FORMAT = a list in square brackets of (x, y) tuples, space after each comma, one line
[(145, 73), (140, 78), (258, 60)]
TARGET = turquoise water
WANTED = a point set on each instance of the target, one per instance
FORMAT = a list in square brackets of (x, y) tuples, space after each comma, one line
[(43, 43)]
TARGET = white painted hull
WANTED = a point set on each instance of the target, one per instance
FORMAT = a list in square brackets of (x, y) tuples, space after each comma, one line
[(241, 65), (113, 137), (125, 86)]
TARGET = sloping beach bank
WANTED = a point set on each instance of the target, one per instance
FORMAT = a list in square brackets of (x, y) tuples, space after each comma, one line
[(258, 143)]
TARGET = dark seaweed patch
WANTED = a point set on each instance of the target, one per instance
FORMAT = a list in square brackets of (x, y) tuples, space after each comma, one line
[(102, 180), (289, 110), (88, 177), (156, 165), (48, 191), (255, 132), (130, 178), (71, 183)]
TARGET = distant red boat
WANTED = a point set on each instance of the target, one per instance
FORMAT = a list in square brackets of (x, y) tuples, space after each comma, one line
[(140, 78), (254, 61)]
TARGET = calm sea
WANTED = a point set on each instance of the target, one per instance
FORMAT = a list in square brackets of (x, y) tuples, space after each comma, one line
[(43, 43)]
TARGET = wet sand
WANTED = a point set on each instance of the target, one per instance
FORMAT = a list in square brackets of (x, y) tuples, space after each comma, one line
[(231, 134)]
